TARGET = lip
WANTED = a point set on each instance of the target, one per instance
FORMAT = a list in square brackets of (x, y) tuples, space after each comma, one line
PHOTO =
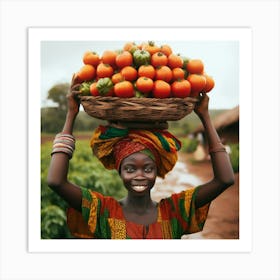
[(139, 188)]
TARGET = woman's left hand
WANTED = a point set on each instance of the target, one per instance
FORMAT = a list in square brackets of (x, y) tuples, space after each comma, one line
[(202, 106)]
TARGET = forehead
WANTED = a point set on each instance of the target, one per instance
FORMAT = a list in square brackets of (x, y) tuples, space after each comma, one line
[(137, 157)]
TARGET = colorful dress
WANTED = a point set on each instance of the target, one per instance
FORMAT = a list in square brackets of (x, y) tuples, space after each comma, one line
[(102, 217)]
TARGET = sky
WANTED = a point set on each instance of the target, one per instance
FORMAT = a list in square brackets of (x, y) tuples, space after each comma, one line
[(60, 59)]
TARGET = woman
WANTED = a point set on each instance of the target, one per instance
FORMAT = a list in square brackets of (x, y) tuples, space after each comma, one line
[(139, 156)]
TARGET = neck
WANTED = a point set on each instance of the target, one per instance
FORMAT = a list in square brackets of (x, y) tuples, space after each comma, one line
[(139, 204)]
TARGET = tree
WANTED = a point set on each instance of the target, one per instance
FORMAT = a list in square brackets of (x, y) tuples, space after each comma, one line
[(58, 95)]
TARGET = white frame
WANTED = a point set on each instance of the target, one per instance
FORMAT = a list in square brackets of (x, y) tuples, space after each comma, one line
[(262, 17), (242, 35)]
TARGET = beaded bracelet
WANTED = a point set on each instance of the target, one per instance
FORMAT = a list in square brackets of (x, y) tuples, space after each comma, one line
[(64, 143)]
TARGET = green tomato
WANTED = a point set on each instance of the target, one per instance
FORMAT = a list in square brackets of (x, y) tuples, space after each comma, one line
[(84, 88), (141, 57), (104, 85)]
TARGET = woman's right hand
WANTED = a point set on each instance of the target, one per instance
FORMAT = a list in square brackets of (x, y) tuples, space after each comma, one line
[(72, 97)]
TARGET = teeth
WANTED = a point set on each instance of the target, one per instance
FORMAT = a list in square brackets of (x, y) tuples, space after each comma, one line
[(139, 188)]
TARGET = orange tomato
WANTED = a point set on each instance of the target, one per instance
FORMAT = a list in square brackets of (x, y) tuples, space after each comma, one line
[(109, 57), (181, 88), (197, 82), (104, 70), (123, 59), (91, 58), (151, 47), (166, 49), (159, 59), (144, 84), (124, 89), (210, 83), (129, 73), (163, 73), (117, 77), (147, 71), (86, 73), (161, 89), (130, 46), (178, 74), (93, 89), (195, 66), (175, 61)]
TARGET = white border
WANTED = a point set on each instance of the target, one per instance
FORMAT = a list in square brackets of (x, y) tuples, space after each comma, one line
[(242, 35), (263, 260)]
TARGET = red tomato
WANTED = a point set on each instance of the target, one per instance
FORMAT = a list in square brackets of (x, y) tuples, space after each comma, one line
[(181, 88), (161, 89), (124, 89), (144, 84)]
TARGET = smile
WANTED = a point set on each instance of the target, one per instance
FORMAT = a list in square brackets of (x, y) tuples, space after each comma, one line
[(139, 188)]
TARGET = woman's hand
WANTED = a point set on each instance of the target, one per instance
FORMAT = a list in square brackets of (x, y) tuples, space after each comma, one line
[(73, 100), (202, 106)]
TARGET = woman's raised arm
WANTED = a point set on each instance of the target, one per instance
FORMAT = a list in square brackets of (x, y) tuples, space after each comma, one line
[(222, 169), (64, 143)]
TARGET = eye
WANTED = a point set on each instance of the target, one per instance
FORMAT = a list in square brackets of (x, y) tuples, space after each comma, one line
[(129, 168), (149, 169)]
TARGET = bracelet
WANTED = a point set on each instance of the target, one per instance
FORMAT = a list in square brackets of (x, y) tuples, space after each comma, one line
[(217, 149), (64, 143)]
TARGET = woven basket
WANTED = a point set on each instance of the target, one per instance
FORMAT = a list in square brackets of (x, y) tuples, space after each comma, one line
[(137, 109)]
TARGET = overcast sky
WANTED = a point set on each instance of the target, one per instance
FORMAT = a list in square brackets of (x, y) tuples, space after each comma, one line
[(60, 59)]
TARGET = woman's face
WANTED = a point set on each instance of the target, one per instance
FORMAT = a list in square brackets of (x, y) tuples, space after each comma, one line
[(138, 172)]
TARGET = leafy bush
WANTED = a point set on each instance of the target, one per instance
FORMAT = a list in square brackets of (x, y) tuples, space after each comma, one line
[(84, 170), (189, 145), (234, 156)]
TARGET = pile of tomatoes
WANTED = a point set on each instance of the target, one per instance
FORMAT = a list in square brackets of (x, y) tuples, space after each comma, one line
[(145, 70)]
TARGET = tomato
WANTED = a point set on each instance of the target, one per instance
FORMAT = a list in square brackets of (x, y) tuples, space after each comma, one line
[(124, 59), (124, 89), (104, 70), (109, 57), (175, 61), (166, 49), (84, 88), (144, 84), (210, 83), (161, 89), (197, 82), (91, 58), (181, 88), (151, 47), (117, 77), (130, 46), (163, 73), (86, 73), (195, 66), (141, 57), (159, 59), (129, 73), (147, 71), (93, 89), (105, 86), (178, 74)]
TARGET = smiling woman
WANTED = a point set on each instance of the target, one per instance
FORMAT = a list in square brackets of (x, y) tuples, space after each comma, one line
[(139, 155)]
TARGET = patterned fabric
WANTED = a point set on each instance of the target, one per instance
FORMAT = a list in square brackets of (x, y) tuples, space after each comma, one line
[(102, 218), (161, 143)]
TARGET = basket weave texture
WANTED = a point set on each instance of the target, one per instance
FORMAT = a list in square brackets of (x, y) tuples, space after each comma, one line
[(137, 109)]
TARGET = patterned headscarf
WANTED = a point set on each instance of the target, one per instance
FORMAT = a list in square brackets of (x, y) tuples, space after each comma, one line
[(111, 145)]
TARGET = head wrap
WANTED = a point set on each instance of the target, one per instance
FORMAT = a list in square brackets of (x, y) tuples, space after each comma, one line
[(111, 145)]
